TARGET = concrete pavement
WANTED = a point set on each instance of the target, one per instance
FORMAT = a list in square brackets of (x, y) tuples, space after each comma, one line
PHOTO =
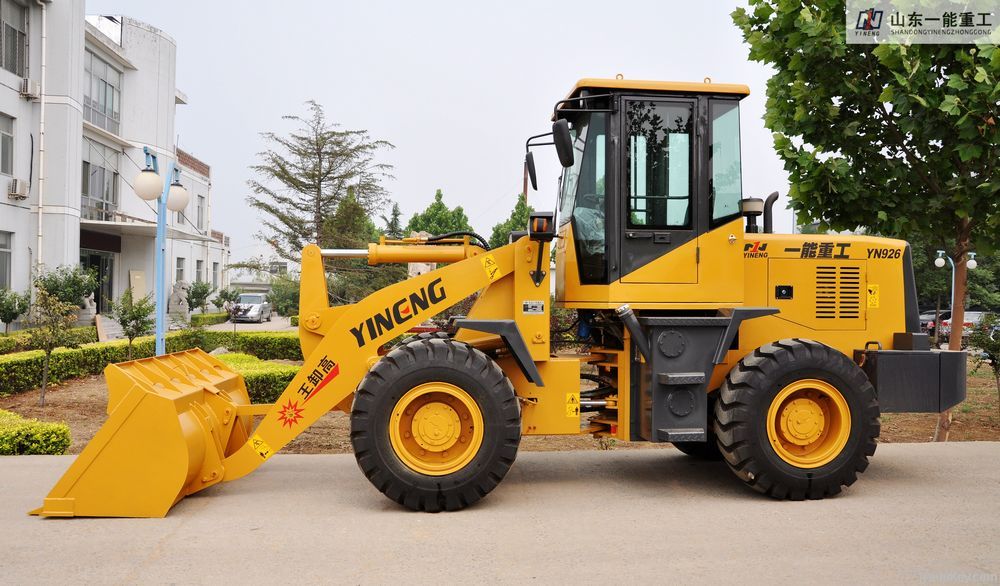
[(921, 513), (278, 323)]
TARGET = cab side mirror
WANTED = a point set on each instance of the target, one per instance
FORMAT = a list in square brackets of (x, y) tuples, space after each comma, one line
[(563, 142), (529, 165)]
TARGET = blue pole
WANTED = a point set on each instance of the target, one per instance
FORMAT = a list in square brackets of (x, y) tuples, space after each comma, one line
[(161, 255)]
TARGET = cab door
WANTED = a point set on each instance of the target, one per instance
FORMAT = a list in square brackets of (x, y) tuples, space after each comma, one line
[(659, 220)]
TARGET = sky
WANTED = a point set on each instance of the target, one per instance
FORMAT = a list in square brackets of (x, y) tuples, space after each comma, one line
[(457, 87)]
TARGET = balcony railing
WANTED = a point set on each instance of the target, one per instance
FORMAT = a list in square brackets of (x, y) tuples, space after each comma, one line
[(92, 208)]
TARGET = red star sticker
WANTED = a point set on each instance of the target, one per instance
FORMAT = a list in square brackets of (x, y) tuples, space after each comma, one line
[(290, 414)]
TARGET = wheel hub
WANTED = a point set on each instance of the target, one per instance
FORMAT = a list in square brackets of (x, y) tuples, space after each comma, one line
[(802, 421), (808, 423), (436, 429), (436, 426)]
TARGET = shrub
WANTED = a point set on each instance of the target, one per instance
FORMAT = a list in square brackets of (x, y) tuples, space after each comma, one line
[(198, 294), (294, 320), (208, 319), (68, 284), (265, 380), (134, 317), (21, 341), (19, 436), (284, 295), (22, 371), (12, 306)]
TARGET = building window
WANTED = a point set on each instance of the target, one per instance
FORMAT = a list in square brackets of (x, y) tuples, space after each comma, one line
[(99, 200), (201, 212), (180, 270), (15, 22), (102, 93), (278, 268), (199, 270), (6, 144), (6, 243), (215, 275)]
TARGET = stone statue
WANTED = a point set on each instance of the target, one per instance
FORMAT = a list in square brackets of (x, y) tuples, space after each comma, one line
[(177, 305)]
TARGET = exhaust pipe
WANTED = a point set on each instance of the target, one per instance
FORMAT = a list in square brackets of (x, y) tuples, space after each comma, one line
[(768, 213)]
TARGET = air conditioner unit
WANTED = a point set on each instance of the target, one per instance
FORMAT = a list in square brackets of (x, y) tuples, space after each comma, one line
[(17, 189), (29, 89)]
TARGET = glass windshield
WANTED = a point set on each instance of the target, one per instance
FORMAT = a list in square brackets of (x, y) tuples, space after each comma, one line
[(583, 193), (658, 164), (247, 299)]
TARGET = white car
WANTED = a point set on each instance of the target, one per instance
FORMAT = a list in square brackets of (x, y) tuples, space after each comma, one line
[(252, 307)]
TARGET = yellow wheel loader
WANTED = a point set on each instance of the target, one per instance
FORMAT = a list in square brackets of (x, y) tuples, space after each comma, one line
[(695, 326)]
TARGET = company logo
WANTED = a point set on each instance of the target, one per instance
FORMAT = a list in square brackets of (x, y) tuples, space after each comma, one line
[(868, 20), (755, 249), (399, 312), (290, 414)]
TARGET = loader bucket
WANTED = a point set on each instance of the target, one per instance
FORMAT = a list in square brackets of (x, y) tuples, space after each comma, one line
[(172, 420)]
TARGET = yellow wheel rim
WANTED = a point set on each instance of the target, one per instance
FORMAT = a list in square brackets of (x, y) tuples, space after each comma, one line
[(436, 428), (808, 423)]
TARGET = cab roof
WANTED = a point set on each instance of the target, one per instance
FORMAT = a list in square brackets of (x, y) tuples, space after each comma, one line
[(689, 87)]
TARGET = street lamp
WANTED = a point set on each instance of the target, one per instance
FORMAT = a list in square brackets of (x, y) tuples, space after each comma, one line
[(939, 262), (174, 197)]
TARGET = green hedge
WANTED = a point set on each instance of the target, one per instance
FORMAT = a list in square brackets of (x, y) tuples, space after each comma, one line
[(208, 319), (265, 380), (294, 321), (19, 436), (21, 341), (23, 371)]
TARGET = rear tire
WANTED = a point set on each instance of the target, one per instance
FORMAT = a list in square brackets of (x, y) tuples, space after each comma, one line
[(797, 419), (435, 425)]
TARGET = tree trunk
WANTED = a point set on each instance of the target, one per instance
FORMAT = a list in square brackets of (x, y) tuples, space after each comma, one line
[(45, 378), (957, 327), (130, 349)]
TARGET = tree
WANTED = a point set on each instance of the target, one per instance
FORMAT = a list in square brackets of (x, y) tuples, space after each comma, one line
[(393, 225), (439, 218), (50, 320), (68, 284), (302, 177), (12, 306), (134, 316), (518, 220), (986, 338), (351, 280), (284, 295), (226, 297), (900, 139), (197, 296)]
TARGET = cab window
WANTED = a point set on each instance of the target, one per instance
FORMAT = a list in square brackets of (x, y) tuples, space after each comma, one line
[(726, 188), (583, 194), (658, 164)]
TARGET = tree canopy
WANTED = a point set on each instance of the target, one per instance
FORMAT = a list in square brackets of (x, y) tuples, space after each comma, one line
[(303, 176), (393, 223), (352, 279), (438, 218), (518, 220), (902, 140)]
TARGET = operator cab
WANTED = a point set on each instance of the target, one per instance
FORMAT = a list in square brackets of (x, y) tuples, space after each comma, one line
[(655, 166)]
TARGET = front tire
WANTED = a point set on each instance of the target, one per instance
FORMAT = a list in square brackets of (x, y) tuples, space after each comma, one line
[(435, 425), (797, 419)]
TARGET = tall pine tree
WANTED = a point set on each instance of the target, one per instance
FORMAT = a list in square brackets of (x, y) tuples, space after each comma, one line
[(303, 176), (393, 223)]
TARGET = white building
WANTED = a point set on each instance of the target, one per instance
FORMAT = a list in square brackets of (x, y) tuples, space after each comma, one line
[(79, 99)]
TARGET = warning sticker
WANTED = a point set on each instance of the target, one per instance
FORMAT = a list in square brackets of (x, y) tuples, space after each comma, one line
[(490, 266), (873, 296), (260, 446), (572, 404)]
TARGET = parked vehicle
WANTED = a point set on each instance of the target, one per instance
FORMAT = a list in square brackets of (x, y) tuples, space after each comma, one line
[(252, 307), (972, 319), (927, 320)]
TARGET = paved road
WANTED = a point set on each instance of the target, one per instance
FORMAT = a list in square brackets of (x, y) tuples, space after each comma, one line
[(922, 513)]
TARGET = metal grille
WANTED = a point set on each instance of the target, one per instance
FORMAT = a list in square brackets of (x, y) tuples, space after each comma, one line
[(838, 292)]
